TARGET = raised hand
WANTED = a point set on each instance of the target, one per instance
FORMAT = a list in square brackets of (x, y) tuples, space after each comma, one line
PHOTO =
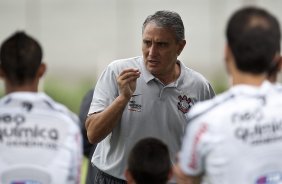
[(127, 81)]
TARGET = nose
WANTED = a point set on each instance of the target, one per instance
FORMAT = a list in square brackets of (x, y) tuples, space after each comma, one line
[(153, 50)]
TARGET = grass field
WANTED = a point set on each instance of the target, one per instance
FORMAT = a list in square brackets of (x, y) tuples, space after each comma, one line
[(84, 170)]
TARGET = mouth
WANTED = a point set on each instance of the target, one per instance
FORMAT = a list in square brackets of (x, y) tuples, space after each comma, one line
[(153, 62)]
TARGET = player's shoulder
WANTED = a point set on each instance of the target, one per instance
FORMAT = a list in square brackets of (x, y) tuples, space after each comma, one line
[(192, 77), (126, 62), (37, 103), (60, 108), (117, 66), (275, 94), (191, 72), (278, 87), (210, 106), (4, 100)]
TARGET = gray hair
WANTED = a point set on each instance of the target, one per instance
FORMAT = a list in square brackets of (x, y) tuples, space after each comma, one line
[(167, 19)]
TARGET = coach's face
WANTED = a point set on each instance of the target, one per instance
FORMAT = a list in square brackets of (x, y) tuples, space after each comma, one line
[(160, 50)]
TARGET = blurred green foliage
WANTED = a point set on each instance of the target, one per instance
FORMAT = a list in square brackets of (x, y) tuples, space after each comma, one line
[(71, 93), (219, 83), (68, 93), (219, 87)]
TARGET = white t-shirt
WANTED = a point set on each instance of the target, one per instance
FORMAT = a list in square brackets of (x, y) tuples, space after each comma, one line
[(155, 110), (236, 137), (40, 141)]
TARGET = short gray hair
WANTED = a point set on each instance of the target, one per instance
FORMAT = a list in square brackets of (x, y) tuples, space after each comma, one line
[(167, 19)]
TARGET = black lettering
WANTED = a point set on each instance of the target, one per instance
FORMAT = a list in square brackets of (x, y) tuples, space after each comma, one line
[(244, 117), (241, 133), (53, 134), (19, 119), (1, 135), (40, 132), (25, 132), (6, 118)]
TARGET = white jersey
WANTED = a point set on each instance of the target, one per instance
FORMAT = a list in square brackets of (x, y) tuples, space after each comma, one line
[(236, 137), (40, 141)]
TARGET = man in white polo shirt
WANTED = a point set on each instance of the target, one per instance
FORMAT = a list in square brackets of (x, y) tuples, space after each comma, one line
[(40, 139), (143, 97), (237, 136)]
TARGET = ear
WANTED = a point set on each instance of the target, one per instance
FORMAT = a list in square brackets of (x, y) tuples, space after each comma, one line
[(181, 45), (2, 73), (226, 53), (41, 70), (129, 177), (228, 58), (170, 174), (280, 61)]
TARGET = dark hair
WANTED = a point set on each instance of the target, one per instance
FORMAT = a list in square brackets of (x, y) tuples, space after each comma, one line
[(253, 35), (20, 58), (149, 162), (167, 19)]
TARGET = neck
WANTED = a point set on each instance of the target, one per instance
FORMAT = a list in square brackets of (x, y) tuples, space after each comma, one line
[(9, 88), (171, 76), (240, 77), (248, 79)]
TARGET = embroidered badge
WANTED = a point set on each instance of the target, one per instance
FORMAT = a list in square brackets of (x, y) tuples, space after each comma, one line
[(184, 103), (133, 105)]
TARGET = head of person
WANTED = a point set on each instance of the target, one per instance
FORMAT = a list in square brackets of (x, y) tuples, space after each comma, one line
[(21, 62), (163, 41), (149, 163), (253, 40)]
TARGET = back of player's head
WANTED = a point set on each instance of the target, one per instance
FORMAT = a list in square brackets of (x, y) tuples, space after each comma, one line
[(253, 35), (20, 58), (149, 162)]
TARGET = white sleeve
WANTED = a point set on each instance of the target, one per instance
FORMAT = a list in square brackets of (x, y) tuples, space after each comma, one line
[(106, 90), (194, 147)]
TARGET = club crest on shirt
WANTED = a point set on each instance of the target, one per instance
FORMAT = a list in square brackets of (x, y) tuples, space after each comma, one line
[(133, 105), (184, 103)]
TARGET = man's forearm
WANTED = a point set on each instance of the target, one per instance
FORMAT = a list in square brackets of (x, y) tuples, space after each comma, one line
[(99, 125)]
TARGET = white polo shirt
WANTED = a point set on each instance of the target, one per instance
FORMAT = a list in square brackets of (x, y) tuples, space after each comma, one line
[(154, 110), (236, 137), (40, 141)]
